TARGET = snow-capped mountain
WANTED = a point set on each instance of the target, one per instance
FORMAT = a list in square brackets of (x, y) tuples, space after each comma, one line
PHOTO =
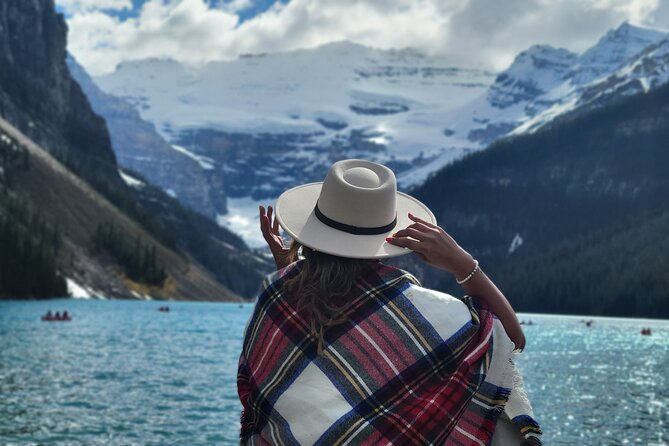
[(648, 70), (544, 83), (600, 73), (269, 122), (613, 50), (327, 93)]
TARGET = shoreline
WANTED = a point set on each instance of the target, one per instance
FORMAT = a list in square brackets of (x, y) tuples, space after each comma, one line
[(521, 315)]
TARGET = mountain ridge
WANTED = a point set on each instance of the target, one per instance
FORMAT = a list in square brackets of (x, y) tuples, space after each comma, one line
[(261, 119)]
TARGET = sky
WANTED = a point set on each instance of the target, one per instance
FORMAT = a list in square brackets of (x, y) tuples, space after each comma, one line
[(474, 33)]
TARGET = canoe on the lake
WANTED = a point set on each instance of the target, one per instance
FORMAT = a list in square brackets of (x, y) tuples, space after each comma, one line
[(56, 319)]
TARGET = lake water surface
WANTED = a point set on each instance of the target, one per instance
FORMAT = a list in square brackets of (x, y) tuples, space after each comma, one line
[(122, 373)]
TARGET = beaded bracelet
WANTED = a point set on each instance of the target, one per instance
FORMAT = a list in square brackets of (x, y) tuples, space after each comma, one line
[(470, 275)]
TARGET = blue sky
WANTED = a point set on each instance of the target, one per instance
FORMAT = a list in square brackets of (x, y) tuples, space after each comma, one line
[(256, 7), (483, 33)]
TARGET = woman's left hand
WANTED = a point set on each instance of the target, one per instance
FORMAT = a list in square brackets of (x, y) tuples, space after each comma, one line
[(438, 249), (270, 231)]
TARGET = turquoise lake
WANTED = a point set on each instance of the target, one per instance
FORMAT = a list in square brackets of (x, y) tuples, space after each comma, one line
[(122, 373)]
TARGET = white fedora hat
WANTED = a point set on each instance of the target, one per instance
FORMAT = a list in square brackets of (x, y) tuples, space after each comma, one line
[(351, 213)]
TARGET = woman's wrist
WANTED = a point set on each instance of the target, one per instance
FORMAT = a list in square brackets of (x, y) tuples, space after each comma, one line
[(463, 266)]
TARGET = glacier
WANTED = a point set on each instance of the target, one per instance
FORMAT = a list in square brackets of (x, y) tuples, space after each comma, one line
[(264, 123)]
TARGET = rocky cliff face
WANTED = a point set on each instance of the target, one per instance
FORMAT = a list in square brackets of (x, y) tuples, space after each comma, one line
[(139, 147), (38, 95), (41, 102)]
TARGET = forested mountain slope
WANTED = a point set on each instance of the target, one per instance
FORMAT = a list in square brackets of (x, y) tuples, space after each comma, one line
[(130, 262), (116, 239), (571, 219)]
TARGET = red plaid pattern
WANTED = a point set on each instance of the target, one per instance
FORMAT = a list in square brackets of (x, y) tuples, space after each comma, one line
[(403, 382)]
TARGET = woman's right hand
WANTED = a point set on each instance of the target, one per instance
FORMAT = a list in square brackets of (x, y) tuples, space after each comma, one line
[(434, 246), (269, 226)]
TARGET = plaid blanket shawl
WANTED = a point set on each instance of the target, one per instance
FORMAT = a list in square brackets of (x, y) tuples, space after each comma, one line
[(388, 376)]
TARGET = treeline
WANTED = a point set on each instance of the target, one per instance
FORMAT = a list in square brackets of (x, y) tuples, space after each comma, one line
[(220, 251), (619, 271), (616, 271), (125, 199), (28, 252), (185, 231), (29, 246), (137, 258)]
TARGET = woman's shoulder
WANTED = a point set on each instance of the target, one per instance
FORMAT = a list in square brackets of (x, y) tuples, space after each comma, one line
[(443, 311), (415, 291)]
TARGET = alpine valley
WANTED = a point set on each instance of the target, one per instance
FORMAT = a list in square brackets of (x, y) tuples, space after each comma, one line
[(565, 208), (145, 181), (232, 134)]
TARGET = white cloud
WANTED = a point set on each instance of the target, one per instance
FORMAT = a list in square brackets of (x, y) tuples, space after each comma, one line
[(309, 23), (236, 5), (636, 11), (485, 31), (473, 32), (77, 6), (186, 30), (660, 16)]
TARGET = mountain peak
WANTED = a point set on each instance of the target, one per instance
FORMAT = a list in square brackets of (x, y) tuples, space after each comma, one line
[(616, 48), (532, 73), (539, 58), (626, 30), (548, 53)]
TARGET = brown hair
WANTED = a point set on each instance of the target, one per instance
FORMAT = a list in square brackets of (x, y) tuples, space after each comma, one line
[(322, 279)]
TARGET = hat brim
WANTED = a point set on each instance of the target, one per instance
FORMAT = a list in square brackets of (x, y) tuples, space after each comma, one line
[(295, 213)]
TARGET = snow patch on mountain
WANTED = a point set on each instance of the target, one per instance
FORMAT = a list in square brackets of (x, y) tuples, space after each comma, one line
[(205, 162), (78, 291), (534, 72), (130, 180), (544, 83), (516, 243)]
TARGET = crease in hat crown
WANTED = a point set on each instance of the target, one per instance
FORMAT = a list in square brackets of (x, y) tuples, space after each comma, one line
[(359, 193)]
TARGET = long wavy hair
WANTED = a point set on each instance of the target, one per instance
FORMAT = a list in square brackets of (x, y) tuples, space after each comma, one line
[(323, 278)]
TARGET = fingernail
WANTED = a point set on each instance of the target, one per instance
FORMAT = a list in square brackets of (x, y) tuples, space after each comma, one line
[(394, 234), (389, 239), (410, 214)]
